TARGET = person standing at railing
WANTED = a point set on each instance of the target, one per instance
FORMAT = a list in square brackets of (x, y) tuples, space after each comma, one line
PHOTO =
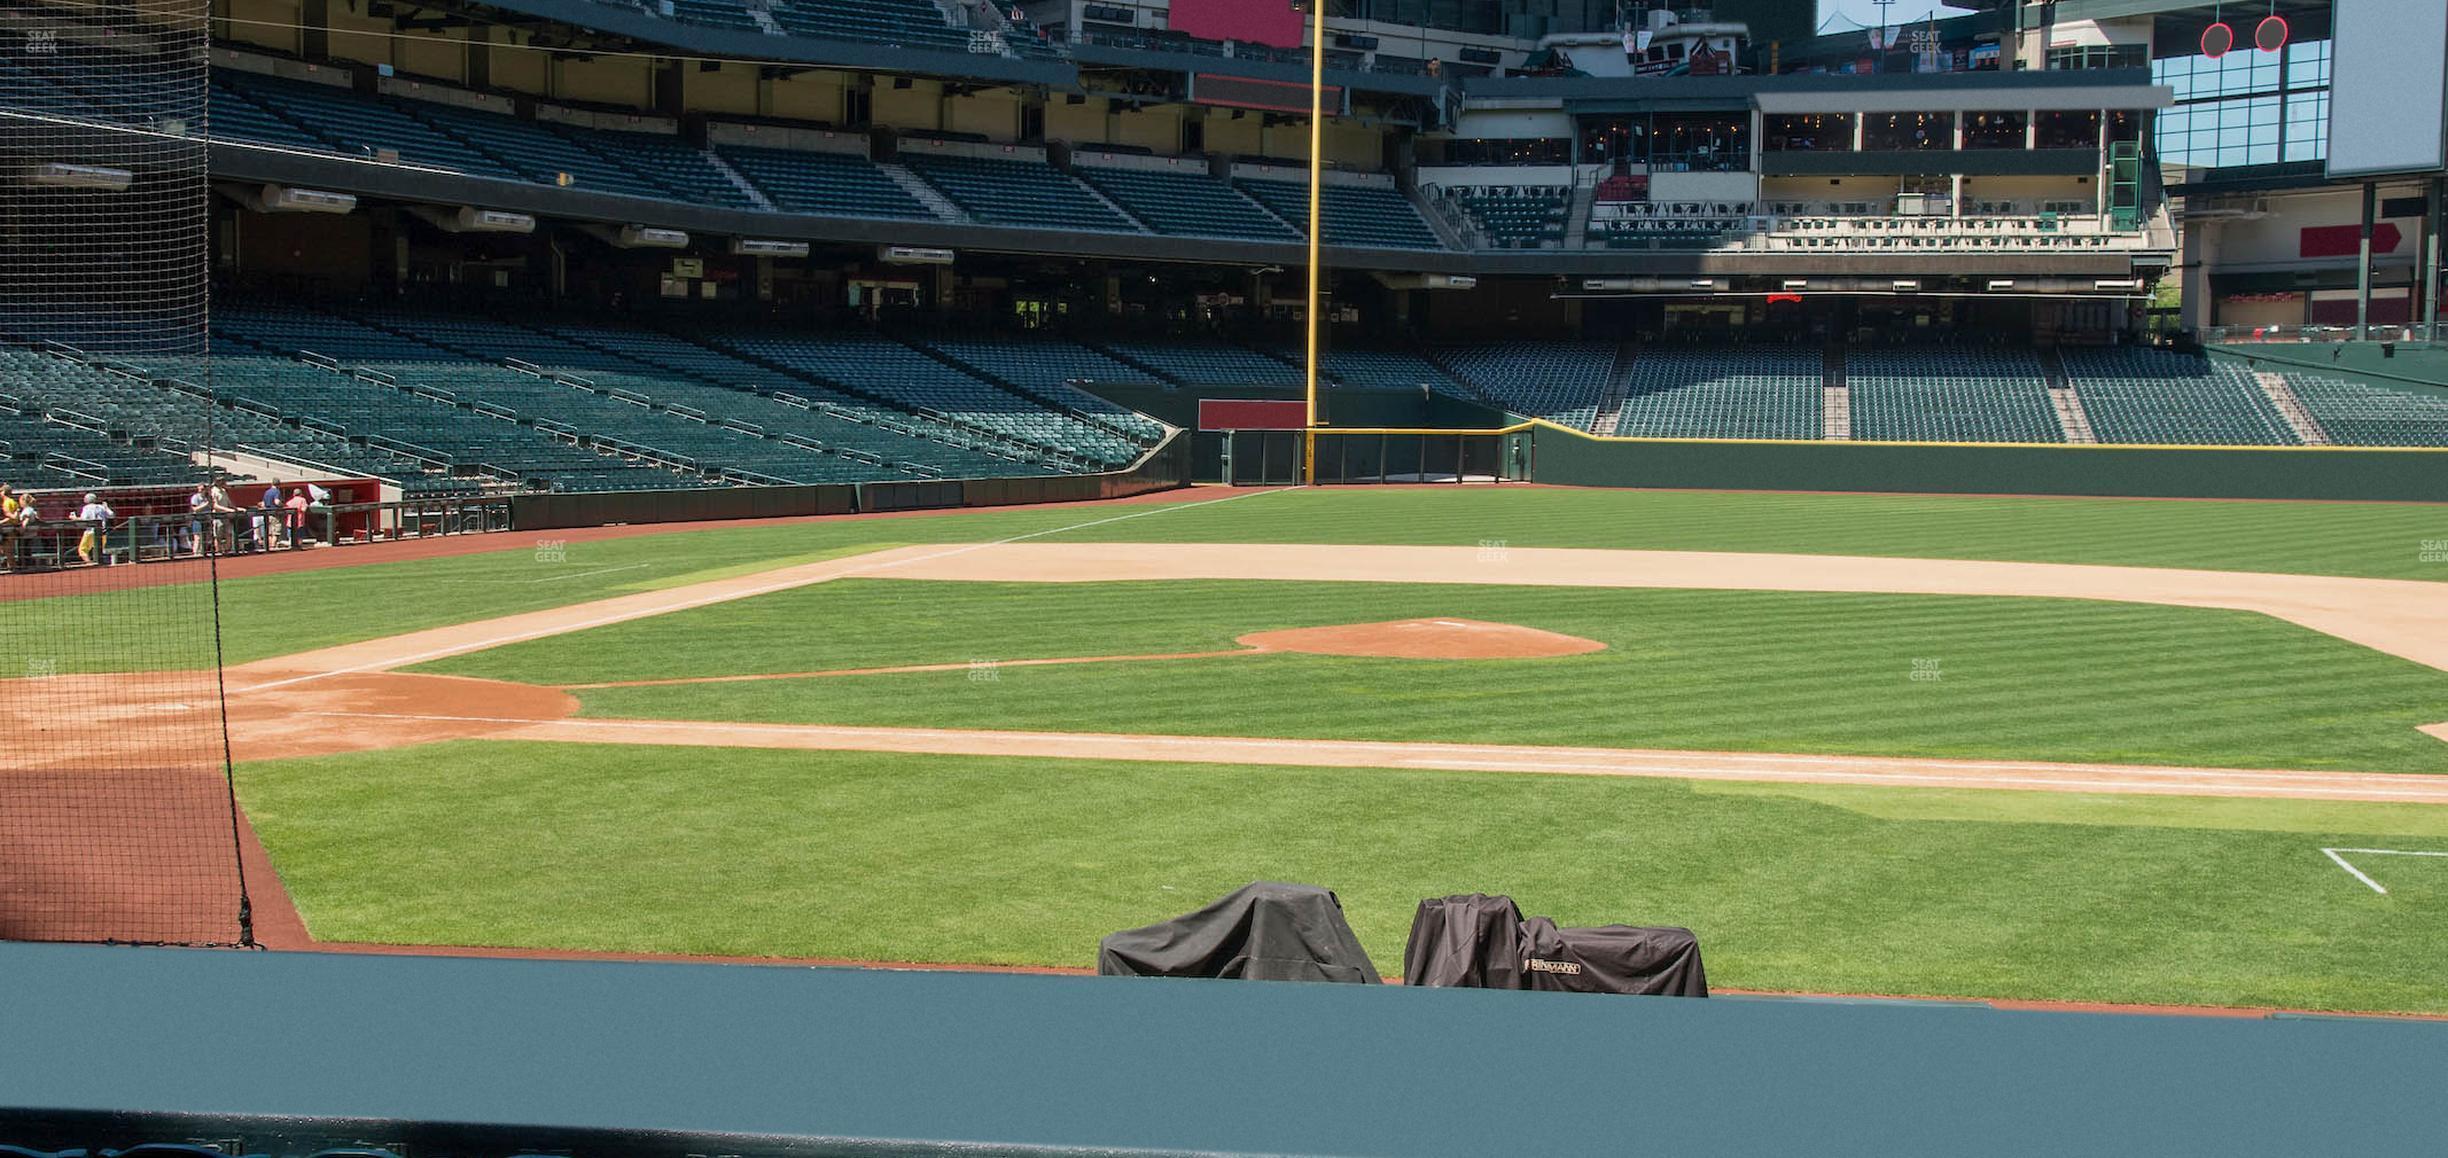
[(297, 518), (268, 524), (199, 508), (224, 525), (95, 516), (23, 527)]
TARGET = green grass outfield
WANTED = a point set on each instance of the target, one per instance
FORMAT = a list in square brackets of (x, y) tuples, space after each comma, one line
[(875, 856), (1016, 861), (2051, 679), (277, 614)]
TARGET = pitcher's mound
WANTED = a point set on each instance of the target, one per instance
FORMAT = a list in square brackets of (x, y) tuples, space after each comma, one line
[(1424, 639)]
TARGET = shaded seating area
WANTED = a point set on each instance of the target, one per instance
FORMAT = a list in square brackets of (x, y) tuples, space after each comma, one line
[(1003, 191), (1558, 381), (1189, 204), (1376, 216), (797, 181), (1757, 391)]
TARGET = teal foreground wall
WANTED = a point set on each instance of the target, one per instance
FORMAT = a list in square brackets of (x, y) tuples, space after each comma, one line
[(1569, 458)]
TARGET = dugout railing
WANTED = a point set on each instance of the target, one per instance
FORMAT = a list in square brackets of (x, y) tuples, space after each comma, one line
[(49, 544)]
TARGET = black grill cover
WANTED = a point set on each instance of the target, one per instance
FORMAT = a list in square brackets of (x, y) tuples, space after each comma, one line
[(1472, 941), (1261, 932), (1611, 959)]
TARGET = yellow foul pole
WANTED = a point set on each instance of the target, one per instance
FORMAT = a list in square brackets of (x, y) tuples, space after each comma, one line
[(1317, 169)]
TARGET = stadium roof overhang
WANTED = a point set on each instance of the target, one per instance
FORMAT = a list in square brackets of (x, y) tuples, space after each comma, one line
[(1811, 93)]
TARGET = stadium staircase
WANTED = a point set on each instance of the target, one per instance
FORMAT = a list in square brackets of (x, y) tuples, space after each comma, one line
[(1835, 402), (1447, 233), (925, 194), (740, 182), (1619, 384), (1098, 195), (1576, 226), (2291, 408), (2063, 398)]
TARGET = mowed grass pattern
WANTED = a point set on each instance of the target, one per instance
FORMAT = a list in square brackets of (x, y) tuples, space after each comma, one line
[(1969, 677), (1008, 861), (279, 614)]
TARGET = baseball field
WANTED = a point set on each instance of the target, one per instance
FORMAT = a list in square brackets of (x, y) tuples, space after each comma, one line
[(2163, 752)]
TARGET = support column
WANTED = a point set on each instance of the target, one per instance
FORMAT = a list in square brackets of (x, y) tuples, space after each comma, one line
[(2362, 330), (2431, 260), (2104, 173), (2193, 267)]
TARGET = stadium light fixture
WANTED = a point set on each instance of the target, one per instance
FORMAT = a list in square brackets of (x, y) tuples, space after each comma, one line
[(761, 247), (1904, 285), (469, 219), (2001, 284), (61, 175), (1797, 283)]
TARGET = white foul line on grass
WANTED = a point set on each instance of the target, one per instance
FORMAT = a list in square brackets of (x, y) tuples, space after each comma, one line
[(584, 574), (726, 597), (2359, 874)]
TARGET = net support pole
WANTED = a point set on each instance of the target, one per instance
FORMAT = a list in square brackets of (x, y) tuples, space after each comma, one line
[(1317, 193)]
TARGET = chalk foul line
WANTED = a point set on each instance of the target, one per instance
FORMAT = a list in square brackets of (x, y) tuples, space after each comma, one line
[(2359, 874)]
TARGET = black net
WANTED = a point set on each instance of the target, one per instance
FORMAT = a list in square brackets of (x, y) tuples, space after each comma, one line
[(117, 821)]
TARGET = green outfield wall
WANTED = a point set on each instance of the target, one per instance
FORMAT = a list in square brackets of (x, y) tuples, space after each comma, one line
[(1571, 458)]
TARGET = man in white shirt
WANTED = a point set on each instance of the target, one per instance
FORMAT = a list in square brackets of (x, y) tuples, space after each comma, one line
[(199, 505), (96, 515)]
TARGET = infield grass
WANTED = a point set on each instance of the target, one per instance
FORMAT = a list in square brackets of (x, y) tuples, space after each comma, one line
[(1015, 861), (279, 614), (1900, 675)]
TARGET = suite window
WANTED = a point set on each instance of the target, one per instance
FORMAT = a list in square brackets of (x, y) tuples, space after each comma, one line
[(1909, 131), (1808, 132), (2062, 129), (1994, 130)]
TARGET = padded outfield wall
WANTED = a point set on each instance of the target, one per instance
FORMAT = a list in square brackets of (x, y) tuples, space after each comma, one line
[(1571, 458), (1273, 457)]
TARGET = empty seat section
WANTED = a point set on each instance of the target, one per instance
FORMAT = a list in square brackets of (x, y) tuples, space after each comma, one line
[(1376, 216), (1001, 191), (1765, 391), (2159, 396), (909, 23), (538, 153), (1558, 381), (715, 14), (1190, 204), (362, 126), (2360, 414), (670, 162), (235, 116), (1518, 217), (868, 441), (1201, 362), (1048, 367), (833, 183), (1949, 394), (887, 369)]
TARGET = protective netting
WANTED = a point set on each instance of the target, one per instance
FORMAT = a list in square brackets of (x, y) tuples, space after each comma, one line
[(116, 818), (117, 821), (103, 218)]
